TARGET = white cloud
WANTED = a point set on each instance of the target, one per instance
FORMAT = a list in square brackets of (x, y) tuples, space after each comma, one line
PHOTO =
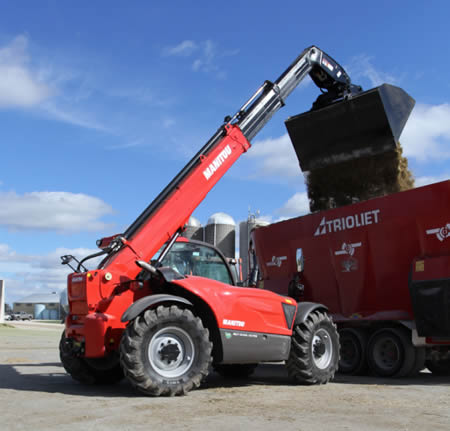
[(208, 55), (183, 49), (28, 274), (425, 180), (427, 133), (60, 211), (70, 117), (35, 86), (205, 56), (296, 206), (20, 86), (275, 157), (6, 254), (361, 67)]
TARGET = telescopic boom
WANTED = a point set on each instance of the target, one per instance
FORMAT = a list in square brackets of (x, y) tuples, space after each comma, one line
[(171, 209)]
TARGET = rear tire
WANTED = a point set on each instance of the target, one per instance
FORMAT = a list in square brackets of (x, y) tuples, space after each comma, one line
[(353, 351), (314, 355), (390, 353), (235, 371), (89, 371), (166, 351)]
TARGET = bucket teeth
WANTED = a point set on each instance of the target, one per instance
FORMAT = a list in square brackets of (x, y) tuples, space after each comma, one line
[(369, 123)]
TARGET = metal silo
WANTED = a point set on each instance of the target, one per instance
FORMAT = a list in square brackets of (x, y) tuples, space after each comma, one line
[(245, 228), (221, 232), (194, 229), (38, 311)]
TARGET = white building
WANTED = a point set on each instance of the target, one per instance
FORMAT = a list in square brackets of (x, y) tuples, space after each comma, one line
[(43, 306)]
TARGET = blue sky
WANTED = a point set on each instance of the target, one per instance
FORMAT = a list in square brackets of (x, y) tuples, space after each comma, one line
[(102, 103)]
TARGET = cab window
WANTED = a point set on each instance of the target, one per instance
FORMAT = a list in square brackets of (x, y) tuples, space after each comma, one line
[(196, 259)]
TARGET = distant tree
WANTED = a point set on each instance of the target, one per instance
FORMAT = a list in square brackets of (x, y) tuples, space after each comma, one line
[(8, 308)]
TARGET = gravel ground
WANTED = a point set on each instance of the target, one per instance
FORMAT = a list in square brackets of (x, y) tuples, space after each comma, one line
[(36, 394)]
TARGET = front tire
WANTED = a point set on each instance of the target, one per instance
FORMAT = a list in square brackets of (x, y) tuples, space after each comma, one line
[(166, 351), (314, 355), (89, 371)]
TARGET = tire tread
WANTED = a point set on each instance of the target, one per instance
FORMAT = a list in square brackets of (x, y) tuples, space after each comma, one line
[(300, 365)]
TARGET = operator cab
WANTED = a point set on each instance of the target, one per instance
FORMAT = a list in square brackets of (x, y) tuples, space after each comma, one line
[(190, 257)]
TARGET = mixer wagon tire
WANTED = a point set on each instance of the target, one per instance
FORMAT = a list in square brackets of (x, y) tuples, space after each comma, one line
[(89, 371), (353, 351), (314, 355), (166, 351), (235, 371), (390, 353)]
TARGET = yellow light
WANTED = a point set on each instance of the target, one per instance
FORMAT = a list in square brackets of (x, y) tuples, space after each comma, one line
[(289, 301), (89, 275)]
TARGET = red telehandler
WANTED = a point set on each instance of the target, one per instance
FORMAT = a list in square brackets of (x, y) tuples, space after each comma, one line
[(163, 330)]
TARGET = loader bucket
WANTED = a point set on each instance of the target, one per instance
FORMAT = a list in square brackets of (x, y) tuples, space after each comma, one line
[(369, 123)]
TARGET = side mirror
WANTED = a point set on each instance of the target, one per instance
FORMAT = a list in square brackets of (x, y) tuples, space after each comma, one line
[(299, 258)]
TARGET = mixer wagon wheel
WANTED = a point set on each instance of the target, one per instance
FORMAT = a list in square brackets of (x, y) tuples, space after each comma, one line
[(166, 351), (314, 355), (353, 351), (89, 371), (390, 353)]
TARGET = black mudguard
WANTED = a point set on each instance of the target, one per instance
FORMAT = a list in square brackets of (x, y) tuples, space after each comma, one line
[(142, 304), (305, 308)]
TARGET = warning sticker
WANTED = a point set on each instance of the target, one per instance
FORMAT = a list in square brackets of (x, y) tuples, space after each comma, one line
[(420, 266)]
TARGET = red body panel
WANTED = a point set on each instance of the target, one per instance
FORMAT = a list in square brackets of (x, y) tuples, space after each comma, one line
[(96, 309), (358, 258), (246, 309)]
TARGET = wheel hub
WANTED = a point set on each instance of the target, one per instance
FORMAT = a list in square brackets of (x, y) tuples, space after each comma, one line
[(319, 348), (387, 354), (322, 349), (171, 352)]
